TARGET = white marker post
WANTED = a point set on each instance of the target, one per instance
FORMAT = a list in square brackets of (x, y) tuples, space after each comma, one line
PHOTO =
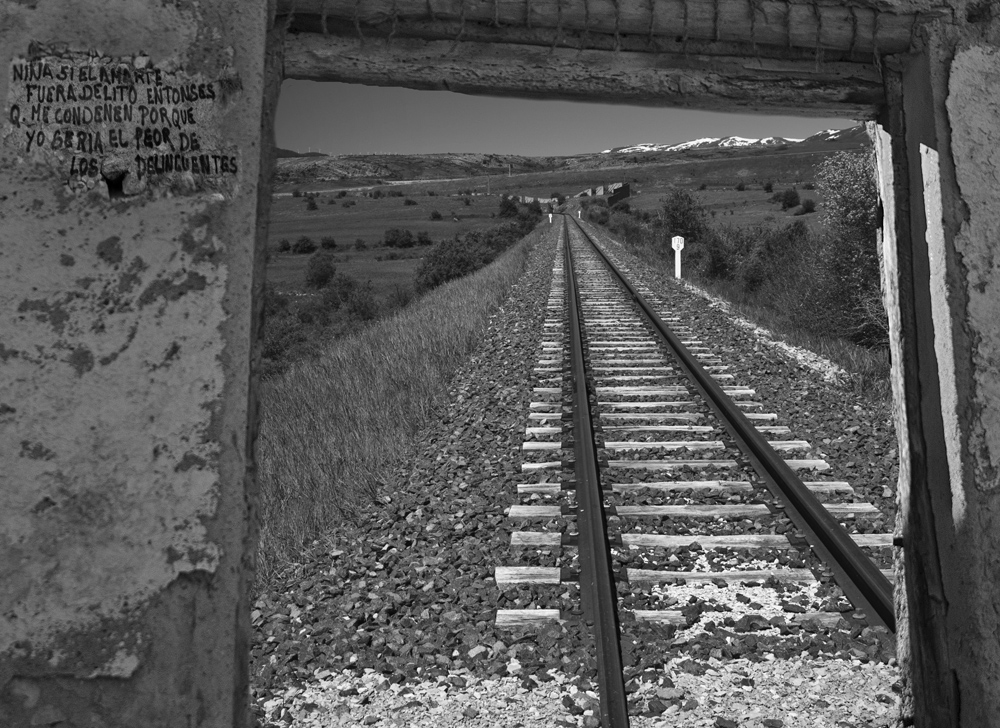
[(579, 213), (550, 218), (678, 245)]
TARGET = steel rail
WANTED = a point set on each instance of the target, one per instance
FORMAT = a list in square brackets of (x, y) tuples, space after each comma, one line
[(865, 586), (597, 584)]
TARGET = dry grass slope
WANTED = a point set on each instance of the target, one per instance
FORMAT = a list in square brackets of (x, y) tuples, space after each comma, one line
[(332, 429)]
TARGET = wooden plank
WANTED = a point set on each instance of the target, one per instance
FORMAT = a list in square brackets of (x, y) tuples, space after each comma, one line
[(535, 539), (538, 445), (534, 467), (819, 465), (736, 541), (527, 575), (784, 24), (665, 445), (669, 464), (658, 428), (730, 577), (511, 618), (831, 486), (789, 445), (543, 488), (535, 512), (701, 486), (845, 509), (626, 416), (694, 511), (659, 616)]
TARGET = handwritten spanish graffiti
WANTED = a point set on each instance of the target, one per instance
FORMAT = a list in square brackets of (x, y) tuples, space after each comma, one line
[(122, 121)]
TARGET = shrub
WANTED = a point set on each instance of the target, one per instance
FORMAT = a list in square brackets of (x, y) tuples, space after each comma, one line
[(769, 186), (359, 244), (408, 202), (398, 238), (349, 203), (320, 269), (296, 192), (431, 193), (395, 193), (703, 186), (311, 203), (375, 194), (284, 245), (559, 197), (304, 245), (435, 215), (741, 186), (682, 215), (808, 186), (423, 238), (362, 303), (342, 193), (508, 207), (535, 207), (467, 201), (808, 205), (788, 199), (328, 243)]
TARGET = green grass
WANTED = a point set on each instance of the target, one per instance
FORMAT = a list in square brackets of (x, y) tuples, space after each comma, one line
[(332, 428)]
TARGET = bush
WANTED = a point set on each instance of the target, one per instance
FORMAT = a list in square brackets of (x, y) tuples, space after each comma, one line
[(342, 193), (741, 186), (769, 186), (535, 207), (375, 194), (395, 193), (362, 303), (284, 246), (407, 202), (423, 238), (311, 203), (296, 192), (304, 245), (808, 186), (435, 215), (398, 238), (508, 207), (320, 269), (431, 193), (359, 244), (328, 243), (349, 203), (788, 198), (559, 197), (467, 201), (808, 205)]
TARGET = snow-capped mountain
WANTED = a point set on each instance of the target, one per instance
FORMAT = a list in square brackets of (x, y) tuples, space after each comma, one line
[(703, 143), (840, 137)]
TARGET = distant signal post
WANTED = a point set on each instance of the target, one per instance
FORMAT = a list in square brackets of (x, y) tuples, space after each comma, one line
[(678, 245)]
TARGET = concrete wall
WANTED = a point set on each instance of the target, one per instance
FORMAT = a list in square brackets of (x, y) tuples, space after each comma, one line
[(940, 173), (130, 159)]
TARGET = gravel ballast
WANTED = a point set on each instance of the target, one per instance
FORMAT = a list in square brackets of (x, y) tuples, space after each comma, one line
[(390, 622)]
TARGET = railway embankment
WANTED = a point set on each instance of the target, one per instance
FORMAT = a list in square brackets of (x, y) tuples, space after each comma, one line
[(391, 619)]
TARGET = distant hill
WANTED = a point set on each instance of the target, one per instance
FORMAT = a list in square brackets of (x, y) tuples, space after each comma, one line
[(360, 169), (287, 153)]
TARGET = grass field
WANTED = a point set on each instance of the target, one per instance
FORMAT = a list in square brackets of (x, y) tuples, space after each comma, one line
[(368, 219), (333, 426)]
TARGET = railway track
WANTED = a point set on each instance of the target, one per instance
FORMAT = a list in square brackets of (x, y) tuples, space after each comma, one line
[(659, 485)]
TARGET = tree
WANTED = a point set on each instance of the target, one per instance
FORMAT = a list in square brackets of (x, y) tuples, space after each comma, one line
[(320, 270), (850, 212), (508, 207), (682, 215)]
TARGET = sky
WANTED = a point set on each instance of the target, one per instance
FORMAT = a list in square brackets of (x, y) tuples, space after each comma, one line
[(338, 118)]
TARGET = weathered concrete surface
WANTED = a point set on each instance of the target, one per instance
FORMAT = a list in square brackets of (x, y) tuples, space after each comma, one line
[(126, 318), (973, 106), (941, 187)]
